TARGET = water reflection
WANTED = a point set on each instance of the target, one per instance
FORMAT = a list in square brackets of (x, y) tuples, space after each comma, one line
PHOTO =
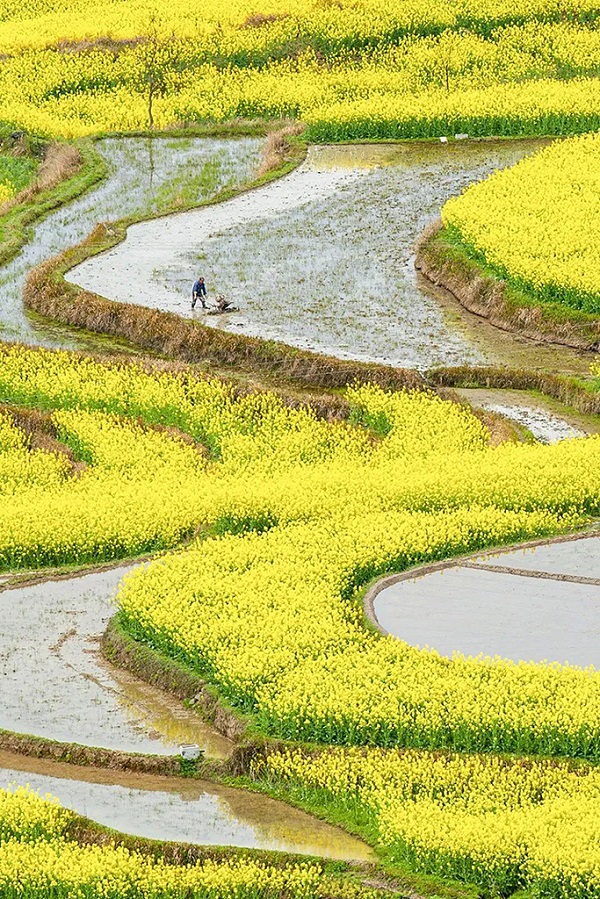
[(183, 810)]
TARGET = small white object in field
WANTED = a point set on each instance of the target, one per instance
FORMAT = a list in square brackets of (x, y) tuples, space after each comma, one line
[(460, 136), (189, 751), (443, 140)]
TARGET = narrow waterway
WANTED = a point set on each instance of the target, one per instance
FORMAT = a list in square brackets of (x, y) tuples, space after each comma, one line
[(322, 259), (145, 177), (55, 684), (546, 419)]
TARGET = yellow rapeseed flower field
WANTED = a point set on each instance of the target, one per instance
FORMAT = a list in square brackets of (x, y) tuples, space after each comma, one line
[(505, 824), (294, 515), (39, 861), (535, 223), (367, 68)]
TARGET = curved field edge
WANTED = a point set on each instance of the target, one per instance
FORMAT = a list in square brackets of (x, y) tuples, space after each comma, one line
[(571, 391), (144, 655), (92, 169), (449, 262), (372, 590), (86, 831), (48, 294), (160, 670), (331, 879), (16, 222), (248, 768), (166, 672)]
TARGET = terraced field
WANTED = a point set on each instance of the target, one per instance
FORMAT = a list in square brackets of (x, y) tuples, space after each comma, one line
[(299, 600)]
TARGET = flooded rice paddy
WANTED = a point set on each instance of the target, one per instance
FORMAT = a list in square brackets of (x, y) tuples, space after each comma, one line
[(322, 259), (540, 604), (145, 177), (55, 684), (184, 810)]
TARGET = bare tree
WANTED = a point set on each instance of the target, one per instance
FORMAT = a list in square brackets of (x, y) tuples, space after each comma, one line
[(159, 62)]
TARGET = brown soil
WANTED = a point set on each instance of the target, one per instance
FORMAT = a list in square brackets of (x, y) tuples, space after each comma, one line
[(278, 149), (88, 756), (495, 300), (257, 20), (242, 802), (160, 671), (501, 429), (41, 434), (104, 44), (567, 390)]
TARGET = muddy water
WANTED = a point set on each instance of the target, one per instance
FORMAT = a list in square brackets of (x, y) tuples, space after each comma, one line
[(145, 177), (183, 810), (324, 259), (54, 683), (548, 421)]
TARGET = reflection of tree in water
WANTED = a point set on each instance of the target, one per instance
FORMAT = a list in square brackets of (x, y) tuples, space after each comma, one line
[(150, 162), (139, 170)]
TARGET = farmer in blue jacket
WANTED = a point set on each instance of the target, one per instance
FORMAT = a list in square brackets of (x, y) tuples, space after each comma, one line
[(199, 292)]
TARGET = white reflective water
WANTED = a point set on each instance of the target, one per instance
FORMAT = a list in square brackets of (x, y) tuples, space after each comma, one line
[(188, 811), (476, 610), (322, 259)]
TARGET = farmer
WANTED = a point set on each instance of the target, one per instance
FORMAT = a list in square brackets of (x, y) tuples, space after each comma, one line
[(199, 291), (223, 304)]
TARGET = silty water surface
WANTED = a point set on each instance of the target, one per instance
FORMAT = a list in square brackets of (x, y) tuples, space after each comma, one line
[(55, 683), (145, 176), (187, 810), (323, 259)]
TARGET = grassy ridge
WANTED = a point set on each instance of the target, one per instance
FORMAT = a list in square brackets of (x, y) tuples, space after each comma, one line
[(450, 263)]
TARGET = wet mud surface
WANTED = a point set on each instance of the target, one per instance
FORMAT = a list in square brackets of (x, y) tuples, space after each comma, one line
[(549, 421), (183, 810), (55, 683), (322, 259), (540, 604), (145, 176)]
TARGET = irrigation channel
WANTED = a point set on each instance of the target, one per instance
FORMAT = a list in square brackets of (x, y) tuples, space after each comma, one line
[(322, 259)]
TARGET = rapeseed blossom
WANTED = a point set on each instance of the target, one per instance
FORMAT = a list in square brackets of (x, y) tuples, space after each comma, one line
[(288, 516), (534, 223)]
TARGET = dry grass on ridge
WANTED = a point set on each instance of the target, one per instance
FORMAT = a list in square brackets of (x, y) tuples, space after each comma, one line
[(61, 161), (277, 148)]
